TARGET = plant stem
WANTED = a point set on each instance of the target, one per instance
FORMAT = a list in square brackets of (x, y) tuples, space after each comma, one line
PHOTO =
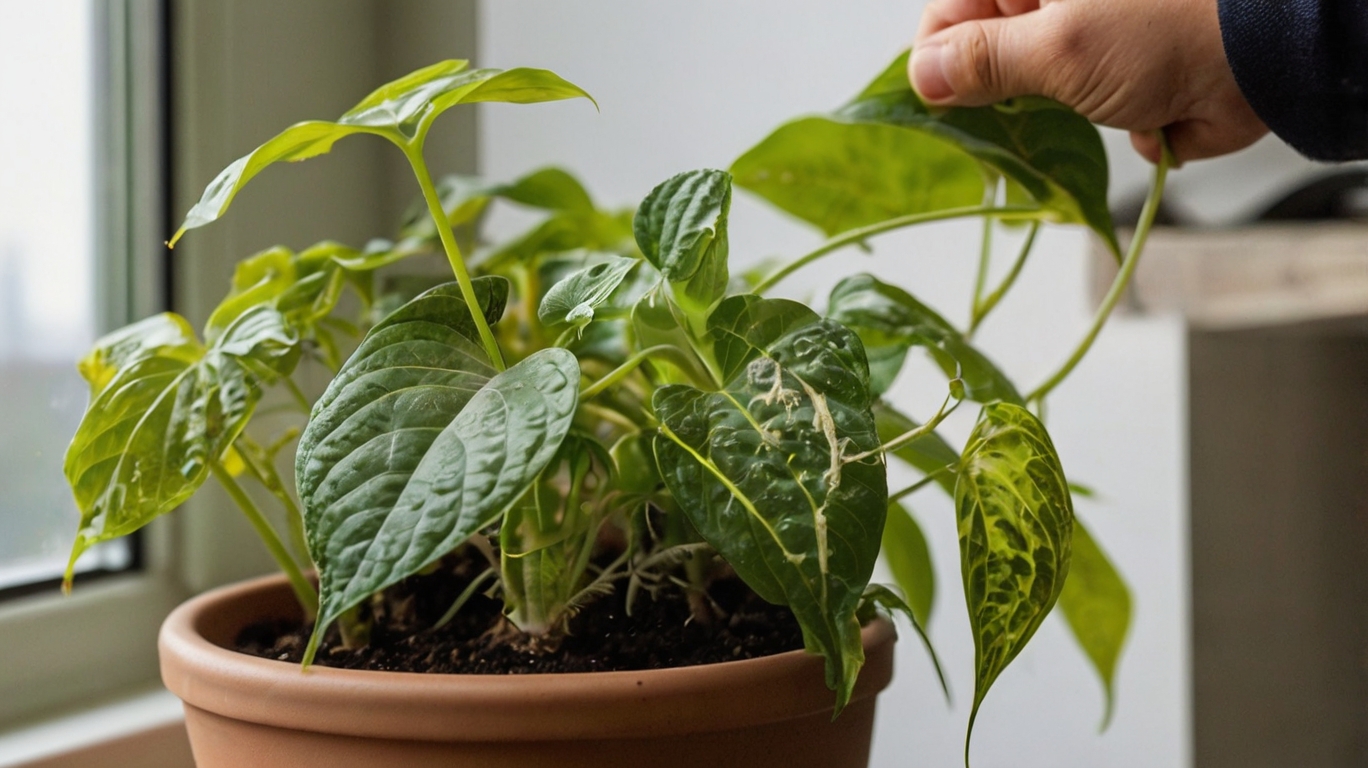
[(621, 372), (986, 305), (414, 153), (920, 484), (298, 394), (304, 591), (463, 598), (863, 233), (1118, 286), (907, 437), (985, 247)]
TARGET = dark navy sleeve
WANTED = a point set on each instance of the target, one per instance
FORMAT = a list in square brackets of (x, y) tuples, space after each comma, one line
[(1303, 67)]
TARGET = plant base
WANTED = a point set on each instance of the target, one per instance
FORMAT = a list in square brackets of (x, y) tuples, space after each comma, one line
[(242, 710)]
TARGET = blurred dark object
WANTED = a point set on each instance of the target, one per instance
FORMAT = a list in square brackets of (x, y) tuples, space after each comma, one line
[(1336, 196)]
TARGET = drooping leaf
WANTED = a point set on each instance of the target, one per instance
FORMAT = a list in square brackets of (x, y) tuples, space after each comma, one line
[(909, 559), (1016, 527), (766, 471), (1097, 607), (929, 453), (401, 111), (889, 321), (838, 175), (574, 299), (163, 407), (1052, 153), (417, 444), (681, 228), (878, 595)]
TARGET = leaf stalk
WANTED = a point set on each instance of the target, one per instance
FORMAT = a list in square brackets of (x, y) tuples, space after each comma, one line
[(414, 153), (303, 589), (860, 234), (1118, 286)]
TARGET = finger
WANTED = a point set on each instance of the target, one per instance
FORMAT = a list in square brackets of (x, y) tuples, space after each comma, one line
[(984, 61), (1147, 145), (943, 14)]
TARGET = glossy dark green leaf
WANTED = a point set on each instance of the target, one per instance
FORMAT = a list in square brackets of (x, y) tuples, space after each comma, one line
[(929, 453), (909, 559), (766, 471), (889, 321), (163, 406), (574, 299), (743, 326), (838, 175), (401, 111), (1097, 607), (1044, 148), (1016, 529), (681, 228), (417, 444)]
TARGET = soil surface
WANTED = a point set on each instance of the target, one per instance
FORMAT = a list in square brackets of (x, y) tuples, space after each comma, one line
[(602, 637)]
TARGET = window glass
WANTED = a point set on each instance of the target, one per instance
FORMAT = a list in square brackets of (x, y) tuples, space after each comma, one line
[(47, 270)]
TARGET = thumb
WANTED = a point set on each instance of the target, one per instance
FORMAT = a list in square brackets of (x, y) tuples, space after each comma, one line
[(981, 62)]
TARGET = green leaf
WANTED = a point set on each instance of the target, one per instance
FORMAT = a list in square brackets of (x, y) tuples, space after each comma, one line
[(163, 406), (1052, 153), (909, 559), (681, 228), (743, 326), (765, 471), (879, 595), (552, 189), (929, 453), (257, 279), (1015, 529), (838, 175), (574, 299), (1097, 607), (889, 321), (401, 111), (417, 444)]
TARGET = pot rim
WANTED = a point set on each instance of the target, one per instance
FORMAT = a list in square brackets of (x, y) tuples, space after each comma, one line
[(453, 707)]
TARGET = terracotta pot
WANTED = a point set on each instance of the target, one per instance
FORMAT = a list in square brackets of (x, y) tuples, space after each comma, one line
[(243, 711)]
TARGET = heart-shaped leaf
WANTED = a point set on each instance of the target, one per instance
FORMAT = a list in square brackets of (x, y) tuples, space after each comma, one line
[(765, 471), (890, 321), (401, 111), (1052, 153), (163, 406), (573, 300), (909, 560), (417, 444), (838, 175), (1097, 607), (1016, 528), (681, 228)]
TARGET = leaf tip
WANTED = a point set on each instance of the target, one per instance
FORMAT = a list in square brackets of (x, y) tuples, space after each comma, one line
[(171, 244)]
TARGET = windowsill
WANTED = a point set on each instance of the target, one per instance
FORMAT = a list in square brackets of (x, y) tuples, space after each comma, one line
[(142, 730)]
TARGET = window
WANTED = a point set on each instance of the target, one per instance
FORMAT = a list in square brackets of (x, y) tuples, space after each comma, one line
[(48, 258), (82, 211)]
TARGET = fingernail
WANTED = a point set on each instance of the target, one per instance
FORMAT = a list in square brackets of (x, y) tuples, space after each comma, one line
[(928, 72)]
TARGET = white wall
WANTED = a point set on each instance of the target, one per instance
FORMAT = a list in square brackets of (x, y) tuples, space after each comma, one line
[(687, 85)]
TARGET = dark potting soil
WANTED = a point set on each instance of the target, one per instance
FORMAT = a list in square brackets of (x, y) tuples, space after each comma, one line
[(602, 637)]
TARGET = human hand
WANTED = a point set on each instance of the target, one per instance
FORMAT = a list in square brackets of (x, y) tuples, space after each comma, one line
[(1138, 65)]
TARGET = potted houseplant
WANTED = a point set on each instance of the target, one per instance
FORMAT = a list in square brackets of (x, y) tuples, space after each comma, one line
[(594, 427)]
